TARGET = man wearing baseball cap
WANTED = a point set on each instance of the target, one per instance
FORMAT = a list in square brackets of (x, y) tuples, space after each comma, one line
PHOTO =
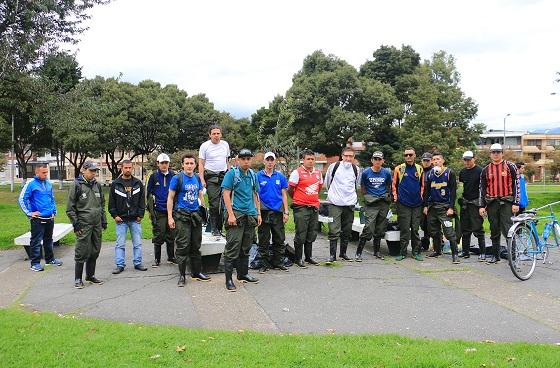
[(471, 221), (376, 185), (499, 196), (426, 166), (274, 211), (157, 190), (86, 211)]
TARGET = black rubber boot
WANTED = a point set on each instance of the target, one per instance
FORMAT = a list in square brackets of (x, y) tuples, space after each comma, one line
[(90, 272), (332, 251), (78, 270), (343, 248), (228, 269), (182, 272), (299, 254), (482, 247), (376, 249), (466, 245), (157, 255), (196, 274), (437, 247), (454, 251), (243, 271), (308, 250), (170, 251), (359, 250)]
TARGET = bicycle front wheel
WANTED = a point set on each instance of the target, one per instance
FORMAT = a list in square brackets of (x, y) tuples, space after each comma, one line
[(522, 250)]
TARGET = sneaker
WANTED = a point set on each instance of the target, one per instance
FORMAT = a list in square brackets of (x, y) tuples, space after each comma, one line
[(482, 258), (118, 270), (312, 261), (55, 262), (301, 264), (400, 258), (345, 258), (172, 261), (281, 268), (358, 257), (181, 282), (36, 268), (94, 280), (263, 269), (155, 264), (140, 267), (434, 254), (418, 257), (78, 284)]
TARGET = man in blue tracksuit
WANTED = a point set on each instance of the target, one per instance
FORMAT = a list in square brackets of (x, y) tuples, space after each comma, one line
[(156, 200), (37, 202)]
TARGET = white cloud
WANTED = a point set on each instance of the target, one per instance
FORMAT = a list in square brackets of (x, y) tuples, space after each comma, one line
[(241, 54)]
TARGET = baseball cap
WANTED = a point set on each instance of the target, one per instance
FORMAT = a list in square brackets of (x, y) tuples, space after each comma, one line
[(377, 154), (496, 147), (468, 155), (163, 158), (426, 156), (90, 165), (269, 154), (245, 152)]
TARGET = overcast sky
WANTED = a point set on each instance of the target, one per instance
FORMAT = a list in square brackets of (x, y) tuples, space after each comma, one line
[(243, 53)]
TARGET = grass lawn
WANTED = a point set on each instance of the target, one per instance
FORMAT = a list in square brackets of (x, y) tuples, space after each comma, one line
[(48, 340)]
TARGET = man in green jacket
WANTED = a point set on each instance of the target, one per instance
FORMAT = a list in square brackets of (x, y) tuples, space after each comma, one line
[(85, 209)]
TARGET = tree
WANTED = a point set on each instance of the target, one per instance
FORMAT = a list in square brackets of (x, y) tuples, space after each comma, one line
[(197, 115), (31, 29)]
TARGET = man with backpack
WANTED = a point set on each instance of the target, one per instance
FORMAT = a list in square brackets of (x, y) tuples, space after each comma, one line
[(426, 167), (303, 186), (183, 206), (156, 200), (407, 193), (86, 211), (241, 200), (127, 204), (342, 180), (376, 185)]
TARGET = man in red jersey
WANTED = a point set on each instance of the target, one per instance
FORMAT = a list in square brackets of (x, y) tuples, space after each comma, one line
[(499, 196), (304, 185)]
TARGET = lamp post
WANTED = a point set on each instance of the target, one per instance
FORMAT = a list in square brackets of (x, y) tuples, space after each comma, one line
[(505, 130)]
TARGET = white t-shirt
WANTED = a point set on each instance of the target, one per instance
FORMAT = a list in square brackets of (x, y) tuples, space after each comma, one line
[(214, 155), (342, 188)]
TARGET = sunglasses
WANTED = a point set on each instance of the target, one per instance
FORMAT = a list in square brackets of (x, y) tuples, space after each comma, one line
[(408, 154), (495, 151)]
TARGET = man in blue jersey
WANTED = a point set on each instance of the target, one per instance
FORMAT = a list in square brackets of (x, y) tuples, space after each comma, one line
[(440, 192), (407, 193), (37, 202), (375, 185), (274, 211), (183, 204)]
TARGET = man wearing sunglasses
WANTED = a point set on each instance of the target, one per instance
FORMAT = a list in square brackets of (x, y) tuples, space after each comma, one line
[(471, 221), (499, 196), (426, 166), (407, 193)]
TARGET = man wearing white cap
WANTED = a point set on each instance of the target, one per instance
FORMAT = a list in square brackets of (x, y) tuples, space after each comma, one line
[(499, 196), (471, 221), (273, 186), (156, 198)]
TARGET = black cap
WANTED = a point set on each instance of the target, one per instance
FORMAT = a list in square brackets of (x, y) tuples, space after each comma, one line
[(245, 152), (90, 165), (377, 154), (427, 156)]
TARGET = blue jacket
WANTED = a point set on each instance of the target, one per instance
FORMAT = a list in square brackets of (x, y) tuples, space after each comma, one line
[(523, 198), (37, 195), (158, 186)]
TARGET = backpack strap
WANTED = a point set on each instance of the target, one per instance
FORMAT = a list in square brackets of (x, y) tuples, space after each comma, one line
[(179, 177)]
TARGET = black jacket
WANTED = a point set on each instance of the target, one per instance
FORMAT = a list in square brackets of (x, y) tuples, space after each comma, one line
[(128, 205)]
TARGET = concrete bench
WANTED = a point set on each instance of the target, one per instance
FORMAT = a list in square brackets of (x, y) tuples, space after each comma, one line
[(211, 250), (60, 230), (390, 236)]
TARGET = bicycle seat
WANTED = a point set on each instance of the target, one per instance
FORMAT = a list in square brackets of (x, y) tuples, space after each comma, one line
[(532, 210)]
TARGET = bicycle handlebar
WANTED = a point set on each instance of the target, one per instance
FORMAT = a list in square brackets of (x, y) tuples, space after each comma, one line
[(547, 205)]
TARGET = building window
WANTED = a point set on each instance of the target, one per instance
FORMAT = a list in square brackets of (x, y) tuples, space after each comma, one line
[(533, 142), (553, 142)]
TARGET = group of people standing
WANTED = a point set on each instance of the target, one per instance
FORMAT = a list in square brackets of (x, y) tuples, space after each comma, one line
[(241, 200)]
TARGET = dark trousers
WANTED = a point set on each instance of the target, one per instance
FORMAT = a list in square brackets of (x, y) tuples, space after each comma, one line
[(438, 221), (341, 226), (162, 233), (88, 243), (239, 238), (306, 219), (214, 193), (376, 221), (409, 221), (499, 217), (41, 231), (188, 240), (471, 223), (272, 225)]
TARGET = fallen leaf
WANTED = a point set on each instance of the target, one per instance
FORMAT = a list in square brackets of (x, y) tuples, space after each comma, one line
[(202, 340), (331, 330), (180, 348), (470, 350), (489, 341), (285, 309), (211, 338), (483, 365), (511, 359), (240, 331), (157, 356)]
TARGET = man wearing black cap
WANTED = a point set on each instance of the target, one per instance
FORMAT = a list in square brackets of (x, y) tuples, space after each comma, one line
[(376, 185), (471, 221), (241, 199), (427, 166), (86, 210)]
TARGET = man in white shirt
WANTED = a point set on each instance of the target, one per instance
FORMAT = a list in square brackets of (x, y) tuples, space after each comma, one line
[(212, 166), (341, 181)]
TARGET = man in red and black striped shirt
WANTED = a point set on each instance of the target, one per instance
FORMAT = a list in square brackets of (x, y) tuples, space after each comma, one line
[(499, 196)]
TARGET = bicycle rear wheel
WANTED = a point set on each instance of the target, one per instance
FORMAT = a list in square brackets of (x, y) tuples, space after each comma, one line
[(522, 251)]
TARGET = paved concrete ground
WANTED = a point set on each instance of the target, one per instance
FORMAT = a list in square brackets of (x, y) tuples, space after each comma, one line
[(432, 299)]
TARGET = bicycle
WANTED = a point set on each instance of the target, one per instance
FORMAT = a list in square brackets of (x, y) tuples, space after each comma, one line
[(525, 246)]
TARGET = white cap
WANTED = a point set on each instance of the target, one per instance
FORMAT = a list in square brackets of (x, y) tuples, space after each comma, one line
[(468, 155), (163, 158), (269, 154), (496, 147)]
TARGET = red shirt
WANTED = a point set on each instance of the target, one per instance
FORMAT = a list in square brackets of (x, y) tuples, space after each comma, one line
[(306, 186)]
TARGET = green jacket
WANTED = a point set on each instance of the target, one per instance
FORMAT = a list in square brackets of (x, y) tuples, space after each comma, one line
[(86, 204)]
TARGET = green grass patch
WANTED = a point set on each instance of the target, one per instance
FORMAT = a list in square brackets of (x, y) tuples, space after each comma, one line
[(47, 340)]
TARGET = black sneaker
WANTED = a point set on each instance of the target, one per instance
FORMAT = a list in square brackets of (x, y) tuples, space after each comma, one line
[(358, 257), (200, 277), (301, 264), (263, 269), (482, 258), (172, 261), (464, 255), (140, 267), (181, 282), (78, 284), (434, 254), (281, 268), (312, 261), (493, 260), (345, 258), (118, 270), (156, 263), (94, 280)]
